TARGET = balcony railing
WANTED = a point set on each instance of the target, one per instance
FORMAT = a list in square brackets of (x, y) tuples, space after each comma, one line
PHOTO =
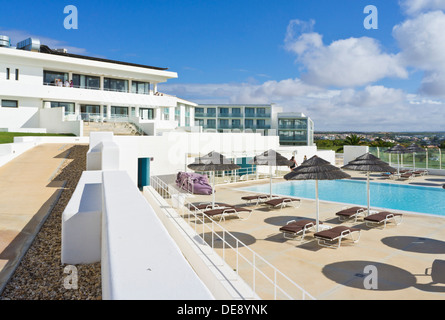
[(205, 115), (257, 115), (290, 126), (230, 115)]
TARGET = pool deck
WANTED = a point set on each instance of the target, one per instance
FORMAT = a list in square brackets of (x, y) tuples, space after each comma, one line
[(401, 254)]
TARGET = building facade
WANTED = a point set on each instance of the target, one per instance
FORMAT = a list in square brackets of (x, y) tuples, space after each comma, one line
[(292, 128), (52, 89)]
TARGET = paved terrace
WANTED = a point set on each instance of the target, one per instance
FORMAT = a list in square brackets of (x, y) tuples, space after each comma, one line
[(401, 253), (27, 195)]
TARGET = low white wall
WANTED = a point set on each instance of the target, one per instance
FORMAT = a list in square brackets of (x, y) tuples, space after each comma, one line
[(139, 258), (24, 130), (352, 152), (53, 120), (81, 221)]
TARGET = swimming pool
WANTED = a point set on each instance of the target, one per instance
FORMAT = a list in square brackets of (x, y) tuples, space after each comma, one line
[(418, 199)]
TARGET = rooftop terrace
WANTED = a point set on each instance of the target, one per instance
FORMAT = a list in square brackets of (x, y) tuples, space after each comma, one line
[(403, 254)]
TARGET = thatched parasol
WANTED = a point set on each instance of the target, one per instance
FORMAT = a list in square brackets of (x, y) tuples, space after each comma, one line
[(414, 148), (369, 163), (316, 169), (213, 161), (397, 149), (270, 158)]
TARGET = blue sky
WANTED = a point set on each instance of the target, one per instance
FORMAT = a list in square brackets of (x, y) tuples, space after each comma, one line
[(310, 56)]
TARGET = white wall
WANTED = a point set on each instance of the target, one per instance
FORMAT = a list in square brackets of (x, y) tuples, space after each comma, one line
[(26, 115), (53, 120), (352, 152)]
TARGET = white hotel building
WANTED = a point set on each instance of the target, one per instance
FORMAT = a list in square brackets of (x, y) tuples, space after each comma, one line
[(45, 90), (52, 91)]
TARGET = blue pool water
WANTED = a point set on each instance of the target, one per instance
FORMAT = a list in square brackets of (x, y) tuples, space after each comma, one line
[(419, 199)]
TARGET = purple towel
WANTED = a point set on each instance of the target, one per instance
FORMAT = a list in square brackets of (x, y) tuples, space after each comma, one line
[(193, 182)]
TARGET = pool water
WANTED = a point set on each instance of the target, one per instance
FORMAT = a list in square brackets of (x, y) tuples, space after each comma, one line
[(418, 199)]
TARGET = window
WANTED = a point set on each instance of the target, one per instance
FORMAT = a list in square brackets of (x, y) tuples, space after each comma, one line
[(199, 110), (236, 111), (166, 112), (248, 123), (8, 73), (119, 111), (86, 82), (69, 106), (115, 85), (140, 87), (10, 104), (146, 113), (250, 111), (224, 111), (54, 78), (236, 123), (261, 111), (211, 123), (211, 111), (17, 74)]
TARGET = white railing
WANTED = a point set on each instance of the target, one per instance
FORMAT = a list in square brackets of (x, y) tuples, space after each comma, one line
[(242, 175), (264, 284)]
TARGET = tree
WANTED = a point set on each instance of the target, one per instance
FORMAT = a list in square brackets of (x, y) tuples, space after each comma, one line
[(352, 140)]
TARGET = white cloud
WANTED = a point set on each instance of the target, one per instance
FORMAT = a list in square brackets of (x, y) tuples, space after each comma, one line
[(422, 43), (413, 7), (344, 63)]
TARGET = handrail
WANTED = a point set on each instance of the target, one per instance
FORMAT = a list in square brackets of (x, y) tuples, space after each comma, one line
[(197, 222)]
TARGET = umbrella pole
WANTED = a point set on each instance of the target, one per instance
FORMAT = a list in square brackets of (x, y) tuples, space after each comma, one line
[(270, 182), (317, 204), (213, 191), (368, 189)]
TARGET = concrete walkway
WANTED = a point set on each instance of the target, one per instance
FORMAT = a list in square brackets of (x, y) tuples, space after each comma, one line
[(27, 196)]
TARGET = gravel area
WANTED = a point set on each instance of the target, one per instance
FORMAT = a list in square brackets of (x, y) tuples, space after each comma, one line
[(40, 275)]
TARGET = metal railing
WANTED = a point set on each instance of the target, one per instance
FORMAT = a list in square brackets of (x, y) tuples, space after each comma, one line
[(432, 158), (264, 284)]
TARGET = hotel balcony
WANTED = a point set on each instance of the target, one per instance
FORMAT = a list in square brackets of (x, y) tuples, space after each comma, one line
[(230, 115), (257, 115), (258, 126), (205, 115), (292, 127), (87, 96)]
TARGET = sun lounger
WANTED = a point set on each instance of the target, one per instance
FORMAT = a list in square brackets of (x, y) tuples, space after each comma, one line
[(420, 172), (328, 237), (283, 202), (298, 228), (383, 217), (207, 206), (407, 176), (222, 212), (256, 198), (351, 213)]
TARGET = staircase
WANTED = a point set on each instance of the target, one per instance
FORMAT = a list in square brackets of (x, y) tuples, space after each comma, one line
[(118, 128)]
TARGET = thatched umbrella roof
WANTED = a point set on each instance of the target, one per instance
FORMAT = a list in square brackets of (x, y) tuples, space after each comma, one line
[(396, 149), (270, 158), (316, 168), (213, 161), (368, 162), (414, 148)]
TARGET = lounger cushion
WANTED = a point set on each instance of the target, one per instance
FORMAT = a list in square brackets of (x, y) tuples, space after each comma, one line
[(254, 197), (380, 216), (298, 225), (349, 211), (218, 211), (275, 202), (332, 234)]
